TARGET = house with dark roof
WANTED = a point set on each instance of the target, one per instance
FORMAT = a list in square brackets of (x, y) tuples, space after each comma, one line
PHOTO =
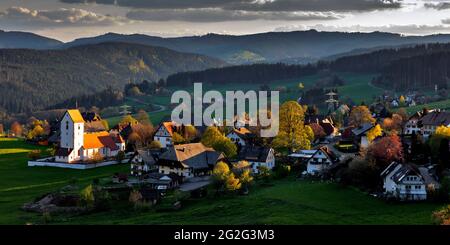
[(189, 160), (143, 162), (325, 122), (241, 136), (429, 122), (407, 182), (360, 134), (412, 125), (257, 156), (319, 160)]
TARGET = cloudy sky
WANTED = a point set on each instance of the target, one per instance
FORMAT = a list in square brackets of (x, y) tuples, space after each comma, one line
[(70, 19)]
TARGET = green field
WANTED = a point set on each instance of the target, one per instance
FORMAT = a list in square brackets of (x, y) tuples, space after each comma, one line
[(20, 183), (357, 88), (288, 201), (443, 105)]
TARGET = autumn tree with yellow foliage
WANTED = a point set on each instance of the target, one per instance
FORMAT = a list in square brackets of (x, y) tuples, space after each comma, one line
[(360, 115), (292, 135), (374, 133)]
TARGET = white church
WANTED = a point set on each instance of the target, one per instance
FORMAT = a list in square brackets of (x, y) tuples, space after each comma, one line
[(80, 146)]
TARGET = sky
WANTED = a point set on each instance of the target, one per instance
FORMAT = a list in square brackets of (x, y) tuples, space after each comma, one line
[(67, 20)]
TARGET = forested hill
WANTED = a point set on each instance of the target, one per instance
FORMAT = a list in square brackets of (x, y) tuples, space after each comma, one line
[(36, 79), (15, 39), (293, 47), (402, 68)]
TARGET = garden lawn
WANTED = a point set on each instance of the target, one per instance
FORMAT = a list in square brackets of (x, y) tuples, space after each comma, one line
[(287, 201), (20, 183)]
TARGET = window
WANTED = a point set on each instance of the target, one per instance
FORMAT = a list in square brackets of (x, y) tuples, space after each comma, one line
[(67, 125), (408, 187)]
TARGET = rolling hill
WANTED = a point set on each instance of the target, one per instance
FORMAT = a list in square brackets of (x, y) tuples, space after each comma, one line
[(36, 79), (15, 39), (293, 47)]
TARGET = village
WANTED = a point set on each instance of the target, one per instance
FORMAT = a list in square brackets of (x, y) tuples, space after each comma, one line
[(385, 153)]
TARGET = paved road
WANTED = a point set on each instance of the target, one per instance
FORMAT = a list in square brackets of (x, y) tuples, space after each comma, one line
[(160, 107)]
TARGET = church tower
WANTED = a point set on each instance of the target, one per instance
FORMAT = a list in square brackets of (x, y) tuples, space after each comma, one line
[(72, 131)]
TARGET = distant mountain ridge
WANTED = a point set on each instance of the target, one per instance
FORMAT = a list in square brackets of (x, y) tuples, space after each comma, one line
[(15, 39), (270, 47), (36, 79)]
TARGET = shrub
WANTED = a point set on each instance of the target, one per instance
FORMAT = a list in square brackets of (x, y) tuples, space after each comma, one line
[(34, 154), (442, 216), (97, 157), (120, 156), (282, 171)]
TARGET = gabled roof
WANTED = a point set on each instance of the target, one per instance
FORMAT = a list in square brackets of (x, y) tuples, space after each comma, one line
[(194, 155), (168, 126), (436, 118), (405, 170), (146, 156), (99, 140), (362, 129), (254, 153), (75, 115), (389, 169), (327, 152)]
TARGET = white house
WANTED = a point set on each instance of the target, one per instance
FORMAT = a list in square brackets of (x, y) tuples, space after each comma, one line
[(412, 126), (78, 145), (188, 160), (404, 182), (320, 160), (142, 163), (258, 156), (164, 134), (432, 120), (361, 133), (240, 136)]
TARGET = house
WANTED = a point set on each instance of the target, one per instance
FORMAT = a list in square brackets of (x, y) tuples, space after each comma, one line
[(429, 122), (404, 182), (320, 159), (241, 136), (188, 160), (395, 103), (412, 125), (325, 122), (164, 134), (360, 134), (142, 163), (258, 156), (78, 145)]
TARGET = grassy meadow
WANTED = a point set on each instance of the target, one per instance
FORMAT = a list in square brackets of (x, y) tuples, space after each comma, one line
[(287, 201)]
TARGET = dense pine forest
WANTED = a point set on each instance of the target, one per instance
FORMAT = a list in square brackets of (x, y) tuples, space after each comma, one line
[(37, 79), (400, 68)]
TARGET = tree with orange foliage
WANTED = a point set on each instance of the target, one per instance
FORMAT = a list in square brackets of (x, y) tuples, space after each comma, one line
[(16, 129), (360, 115), (393, 124), (386, 150)]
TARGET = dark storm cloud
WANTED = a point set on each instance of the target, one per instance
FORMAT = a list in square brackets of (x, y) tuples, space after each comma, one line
[(220, 15), (438, 6), (19, 17), (255, 5)]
